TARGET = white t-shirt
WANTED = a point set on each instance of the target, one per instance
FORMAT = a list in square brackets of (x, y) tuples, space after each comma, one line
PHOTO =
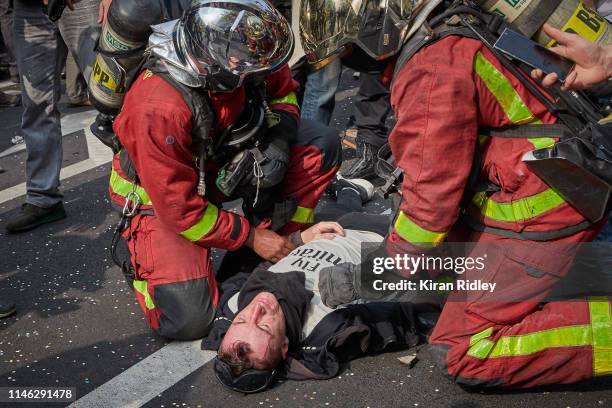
[(310, 258), (604, 8)]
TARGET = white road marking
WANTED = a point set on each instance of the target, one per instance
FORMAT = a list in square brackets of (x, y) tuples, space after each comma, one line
[(342, 95), (150, 377), (72, 170), (70, 124), (98, 153), (7, 84)]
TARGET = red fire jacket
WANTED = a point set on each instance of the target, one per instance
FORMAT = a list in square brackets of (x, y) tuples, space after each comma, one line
[(154, 127), (441, 98)]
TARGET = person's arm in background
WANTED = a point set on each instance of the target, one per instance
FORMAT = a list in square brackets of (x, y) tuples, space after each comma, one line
[(104, 5), (593, 62)]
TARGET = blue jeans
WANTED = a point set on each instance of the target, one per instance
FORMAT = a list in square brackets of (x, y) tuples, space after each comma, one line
[(40, 48), (606, 233), (320, 93)]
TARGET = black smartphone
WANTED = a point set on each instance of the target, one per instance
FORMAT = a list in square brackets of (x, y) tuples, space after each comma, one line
[(517, 46)]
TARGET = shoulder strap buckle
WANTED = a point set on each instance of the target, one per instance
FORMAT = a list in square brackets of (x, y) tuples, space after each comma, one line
[(132, 202)]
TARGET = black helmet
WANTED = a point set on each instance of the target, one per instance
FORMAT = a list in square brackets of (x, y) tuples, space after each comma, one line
[(248, 381)]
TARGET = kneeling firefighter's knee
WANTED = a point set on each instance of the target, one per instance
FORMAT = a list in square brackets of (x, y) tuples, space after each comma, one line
[(186, 309), (325, 139), (462, 371)]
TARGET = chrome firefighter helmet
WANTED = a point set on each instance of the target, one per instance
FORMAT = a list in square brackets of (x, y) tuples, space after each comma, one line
[(378, 27), (223, 42)]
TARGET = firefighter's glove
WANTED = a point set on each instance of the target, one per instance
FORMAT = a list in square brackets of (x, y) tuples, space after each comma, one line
[(337, 284)]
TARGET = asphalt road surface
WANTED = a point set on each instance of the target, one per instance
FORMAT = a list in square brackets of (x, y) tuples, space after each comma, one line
[(78, 325)]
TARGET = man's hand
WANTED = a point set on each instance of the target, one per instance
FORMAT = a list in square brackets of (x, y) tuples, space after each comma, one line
[(104, 5), (592, 61), (268, 244), (322, 230)]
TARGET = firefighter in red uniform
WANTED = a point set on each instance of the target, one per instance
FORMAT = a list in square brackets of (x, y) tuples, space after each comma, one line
[(208, 96), (442, 95)]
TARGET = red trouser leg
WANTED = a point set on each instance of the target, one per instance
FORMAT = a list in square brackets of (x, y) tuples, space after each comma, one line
[(487, 339), (174, 283), (315, 159)]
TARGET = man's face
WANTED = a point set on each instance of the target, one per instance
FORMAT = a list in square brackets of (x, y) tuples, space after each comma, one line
[(260, 325)]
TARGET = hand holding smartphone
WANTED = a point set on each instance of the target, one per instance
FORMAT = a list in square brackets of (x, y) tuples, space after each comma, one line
[(519, 47)]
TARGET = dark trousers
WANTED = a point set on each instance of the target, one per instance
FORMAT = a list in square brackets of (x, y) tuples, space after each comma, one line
[(6, 26), (372, 107), (348, 201)]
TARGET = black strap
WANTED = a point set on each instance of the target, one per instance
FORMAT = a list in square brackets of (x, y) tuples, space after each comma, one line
[(528, 132), (527, 235), (133, 74), (126, 164)]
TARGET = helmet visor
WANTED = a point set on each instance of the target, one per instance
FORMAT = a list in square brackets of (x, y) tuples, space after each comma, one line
[(378, 27), (240, 37)]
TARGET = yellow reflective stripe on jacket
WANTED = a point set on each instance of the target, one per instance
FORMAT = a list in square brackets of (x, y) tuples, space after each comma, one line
[(204, 225), (141, 287), (303, 215), (415, 234), (518, 210), (290, 98), (601, 320), (598, 334), (123, 187), (510, 101)]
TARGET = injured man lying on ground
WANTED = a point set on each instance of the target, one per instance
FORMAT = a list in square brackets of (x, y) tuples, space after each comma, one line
[(275, 322)]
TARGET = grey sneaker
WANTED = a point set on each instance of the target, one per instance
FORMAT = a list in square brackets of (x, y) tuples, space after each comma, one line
[(361, 186)]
